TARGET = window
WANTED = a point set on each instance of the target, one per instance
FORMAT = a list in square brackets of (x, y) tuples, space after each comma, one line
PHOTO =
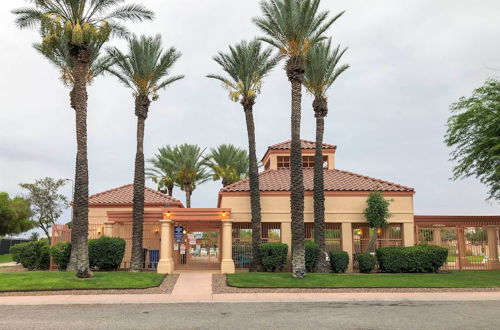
[(308, 161), (283, 161)]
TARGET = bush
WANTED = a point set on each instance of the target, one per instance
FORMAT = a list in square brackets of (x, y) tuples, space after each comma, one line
[(60, 254), (273, 256), (366, 262), (421, 258), (33, 255), (339, 260), (312, 254), (106, 253)]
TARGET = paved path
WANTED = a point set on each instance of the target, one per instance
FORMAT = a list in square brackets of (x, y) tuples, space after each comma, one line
[(193, 286), (8, 264)]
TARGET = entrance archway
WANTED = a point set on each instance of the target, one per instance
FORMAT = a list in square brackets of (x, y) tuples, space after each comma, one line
[(200, 246)]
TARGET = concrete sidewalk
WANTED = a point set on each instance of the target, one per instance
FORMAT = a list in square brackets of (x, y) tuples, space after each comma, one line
[(196, 287)]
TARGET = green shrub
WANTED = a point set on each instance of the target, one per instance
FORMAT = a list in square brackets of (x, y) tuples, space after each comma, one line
[(106, 253), (421, 258), (33, 255), (366, 262), (60, 254), (312, 254), (339, 260), (273, 256)]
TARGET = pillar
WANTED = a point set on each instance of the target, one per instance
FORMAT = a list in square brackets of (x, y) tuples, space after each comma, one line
[(108, 228), (286, 238), (493, 262), (347, 243), (166, 263), (436, 236), (227, 263), (408, 234), (461, 247)]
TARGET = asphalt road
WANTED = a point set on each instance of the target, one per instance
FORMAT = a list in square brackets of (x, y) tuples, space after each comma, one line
[(286, 315)]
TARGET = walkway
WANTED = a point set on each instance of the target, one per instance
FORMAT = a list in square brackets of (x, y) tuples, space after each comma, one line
[(193, 286)]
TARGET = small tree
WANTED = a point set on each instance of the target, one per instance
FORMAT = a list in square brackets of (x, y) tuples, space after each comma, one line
[(376, 214), (47, 204), (14, 215)]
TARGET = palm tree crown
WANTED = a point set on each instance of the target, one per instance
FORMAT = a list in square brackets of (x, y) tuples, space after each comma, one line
[(162, 171), (228, 163), (146, 67), (245, 65)]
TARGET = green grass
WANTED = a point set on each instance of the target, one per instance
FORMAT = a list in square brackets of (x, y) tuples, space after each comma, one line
[(5, 258), (66, 281), (457, 279)]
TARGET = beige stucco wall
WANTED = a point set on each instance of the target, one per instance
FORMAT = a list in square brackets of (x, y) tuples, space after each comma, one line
[(99, 215)]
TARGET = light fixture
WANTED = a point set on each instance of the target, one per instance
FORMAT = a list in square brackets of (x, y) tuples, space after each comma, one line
[(99, 230), (223, 213), (166, 214), (157, 230), (184, 231)]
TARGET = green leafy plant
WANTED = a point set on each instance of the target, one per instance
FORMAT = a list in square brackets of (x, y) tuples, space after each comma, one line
[(273, 256), (366, 262), (106, 253), (376, 214), (312, 255), (60, 254), (32, 255), (422, 258), (339, 260)]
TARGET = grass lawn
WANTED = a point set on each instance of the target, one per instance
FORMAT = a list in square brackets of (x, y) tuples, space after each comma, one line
[(457, 279), (469, 258), (67, 280), (5, 258)]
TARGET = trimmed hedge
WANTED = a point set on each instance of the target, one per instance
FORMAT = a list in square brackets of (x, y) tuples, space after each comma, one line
[(312, 255), (339, 260), (33, 255), (422, 258), (106, 253), (60, 254), (273, 256), (366, 262)]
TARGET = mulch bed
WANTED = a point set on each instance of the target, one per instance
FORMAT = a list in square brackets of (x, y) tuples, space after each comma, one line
[(219, 286), (165, 287)]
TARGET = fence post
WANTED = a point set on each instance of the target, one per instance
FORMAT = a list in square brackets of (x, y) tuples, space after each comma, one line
[(462, 258), (493, 262)]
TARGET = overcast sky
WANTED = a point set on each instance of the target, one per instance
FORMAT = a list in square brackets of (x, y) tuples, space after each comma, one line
[(409, 61)]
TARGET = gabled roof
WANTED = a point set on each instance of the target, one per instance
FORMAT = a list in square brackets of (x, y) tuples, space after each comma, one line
[(304, 144), (335, 180), (123, 196)]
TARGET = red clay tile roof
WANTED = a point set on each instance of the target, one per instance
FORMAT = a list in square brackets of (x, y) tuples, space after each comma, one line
[(304, 144), (335, 180), (123, 196)]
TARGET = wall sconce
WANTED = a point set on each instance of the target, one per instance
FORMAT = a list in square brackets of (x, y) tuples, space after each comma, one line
[(360, 232), (166, 214), (379, 231), (99, 231), (157, 230), (223, 214)]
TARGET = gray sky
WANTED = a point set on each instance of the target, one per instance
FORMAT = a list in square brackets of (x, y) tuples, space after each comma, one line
[(409, 61)]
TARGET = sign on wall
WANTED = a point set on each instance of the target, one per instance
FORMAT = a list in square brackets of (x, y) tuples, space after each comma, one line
[(178, 233)]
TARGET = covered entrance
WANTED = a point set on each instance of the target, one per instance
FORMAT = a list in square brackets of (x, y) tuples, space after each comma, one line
[(196, 239)]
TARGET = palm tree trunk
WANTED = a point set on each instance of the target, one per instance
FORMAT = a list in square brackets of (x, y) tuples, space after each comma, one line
[(170, 190), (320, 110), (253, 174), (79, 260), (188, 197), (295, 72), (141, 111)]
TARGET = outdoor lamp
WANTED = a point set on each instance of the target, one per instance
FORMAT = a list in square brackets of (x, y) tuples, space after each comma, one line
[(184, 231), (223, 213), (157, 230), (99, 231)]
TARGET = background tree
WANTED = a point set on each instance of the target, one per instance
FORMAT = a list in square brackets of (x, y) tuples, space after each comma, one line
[(190, 168), (163, 171), (322, 70), (34, 236), (376, 215), (293, 27), (245, 66), (474, 133), (47, 204), (14, 215), (83, 26), (146, 70), (228, 163)]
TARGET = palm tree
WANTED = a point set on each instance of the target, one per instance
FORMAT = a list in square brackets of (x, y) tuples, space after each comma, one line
[(228, 163), (163, 171), (80, 24), (293, 27), (190, 168), (246, 65), (145, 69), (321, 71)]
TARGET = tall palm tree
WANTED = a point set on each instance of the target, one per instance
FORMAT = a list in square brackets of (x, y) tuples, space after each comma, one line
[(245, 66), (228, 163), (79, 24), (322, 70), (293, 27), (190, 168), (145, 69), (163, 171)]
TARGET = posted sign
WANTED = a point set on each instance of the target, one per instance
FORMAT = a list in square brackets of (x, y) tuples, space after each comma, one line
[(178, 233)]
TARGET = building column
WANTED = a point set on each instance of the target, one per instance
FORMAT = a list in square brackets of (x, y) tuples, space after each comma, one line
[(227, 263), (286, 238), (166, 263), (108, 228), (347, 243), (493, 262), (408, 234)]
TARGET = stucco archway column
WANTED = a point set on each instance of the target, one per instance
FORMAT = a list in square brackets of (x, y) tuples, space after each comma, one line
[(346, 239), (227, 263), (493, 262), (166, 263)]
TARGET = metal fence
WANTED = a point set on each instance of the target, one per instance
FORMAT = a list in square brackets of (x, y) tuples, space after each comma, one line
[(333, 235), (6, 243)]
